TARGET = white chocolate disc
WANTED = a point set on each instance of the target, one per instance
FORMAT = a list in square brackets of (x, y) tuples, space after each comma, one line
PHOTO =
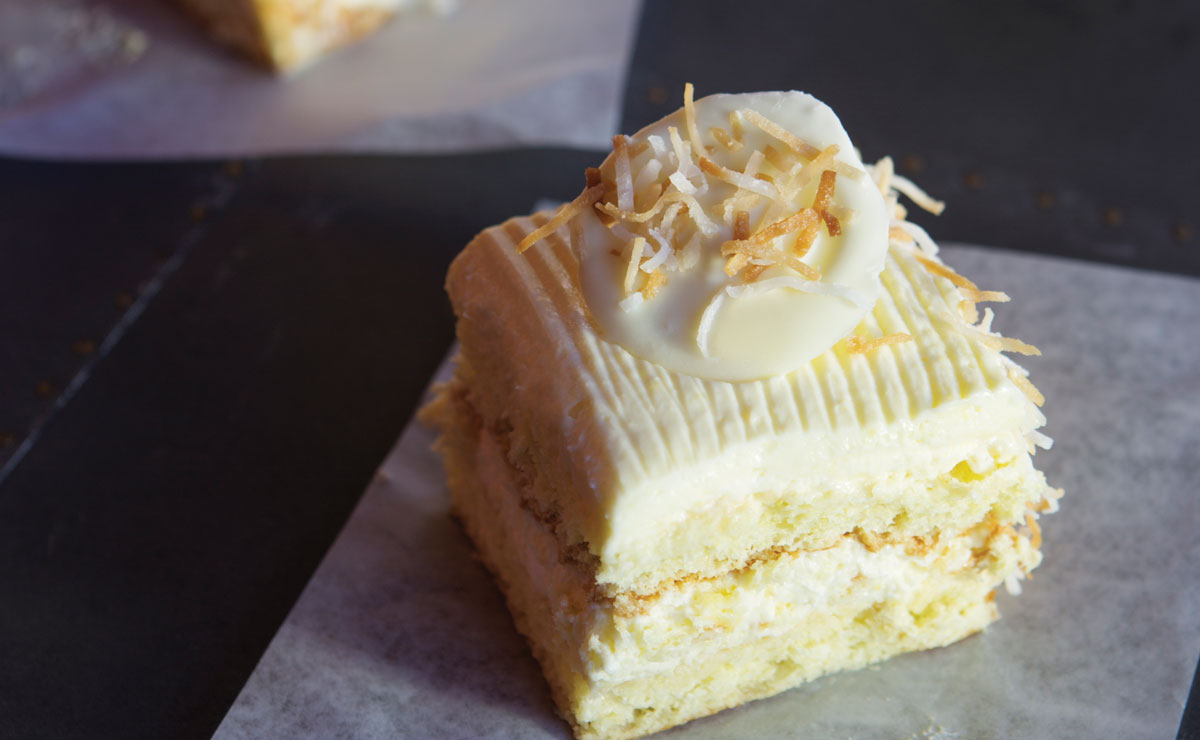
[(767, 330)]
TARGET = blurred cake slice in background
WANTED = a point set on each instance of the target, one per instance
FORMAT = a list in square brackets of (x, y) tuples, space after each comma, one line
[(288, 35)]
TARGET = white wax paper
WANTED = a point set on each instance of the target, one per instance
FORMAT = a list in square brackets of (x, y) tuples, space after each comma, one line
[(401, 634), (136, 78)]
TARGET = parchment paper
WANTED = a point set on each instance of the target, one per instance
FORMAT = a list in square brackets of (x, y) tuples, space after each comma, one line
[(135, 78), (401, 634)]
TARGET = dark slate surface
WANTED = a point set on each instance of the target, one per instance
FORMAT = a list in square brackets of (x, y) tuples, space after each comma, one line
[(160, 528), (1064, 127), (254, 337), (77, 244), (1189, 725)]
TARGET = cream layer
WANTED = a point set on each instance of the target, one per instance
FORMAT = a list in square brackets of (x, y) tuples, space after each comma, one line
[(622, 452)]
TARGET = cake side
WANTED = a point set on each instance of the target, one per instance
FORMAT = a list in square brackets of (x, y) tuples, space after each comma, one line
[(629, 666)]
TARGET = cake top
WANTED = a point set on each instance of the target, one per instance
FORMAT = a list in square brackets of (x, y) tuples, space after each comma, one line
[(737, 238)]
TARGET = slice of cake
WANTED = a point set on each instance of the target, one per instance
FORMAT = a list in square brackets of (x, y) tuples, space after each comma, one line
[(290, 34), (726, 423)]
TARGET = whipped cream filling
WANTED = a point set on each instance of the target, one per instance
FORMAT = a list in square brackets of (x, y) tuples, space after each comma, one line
[(787, 302), (833, 586)]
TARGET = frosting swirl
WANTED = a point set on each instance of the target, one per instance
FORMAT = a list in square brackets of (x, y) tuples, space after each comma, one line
[(735, 239)]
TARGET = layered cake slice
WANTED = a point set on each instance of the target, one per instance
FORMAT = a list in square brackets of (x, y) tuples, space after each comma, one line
[(726, 422)]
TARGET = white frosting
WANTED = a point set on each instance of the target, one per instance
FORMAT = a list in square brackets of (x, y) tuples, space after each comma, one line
[(758, 334), (640, 447)]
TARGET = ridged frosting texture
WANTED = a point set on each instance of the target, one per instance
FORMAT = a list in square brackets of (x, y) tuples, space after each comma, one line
[(640, 446)]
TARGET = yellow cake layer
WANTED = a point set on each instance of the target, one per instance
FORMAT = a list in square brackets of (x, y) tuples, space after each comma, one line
[(632, 665), (660, 475)]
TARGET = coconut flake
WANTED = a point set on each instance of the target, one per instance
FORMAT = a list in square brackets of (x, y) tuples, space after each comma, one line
[(724, 139), (882, 172), (998, 342), (767, 126), (689, 117), (690, 254), (641, 217), (1041, 440), (621, 170), (635, 259), (739, 199), (648, 175), (735, 125), (668, 217), (1012, 584), (941, 270), (984, 296), (917, 195), (660, 256), (739, 180), (1021, 380), (683, 153), (562, 216), (696, 211), (803, 173), (631, 301), (985, 324), (919, 235), (681, 183)]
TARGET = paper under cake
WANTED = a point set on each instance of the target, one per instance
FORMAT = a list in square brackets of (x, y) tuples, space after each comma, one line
[(726, 422)]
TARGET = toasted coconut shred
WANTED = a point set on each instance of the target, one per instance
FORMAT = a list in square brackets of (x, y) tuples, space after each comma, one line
[(725, 139), (635, 260), (1030, 390), (1035, 532), (652, 204), (975, 295), (562, 216), (741, 225), (689, 117), (769, 127), (623, 176)]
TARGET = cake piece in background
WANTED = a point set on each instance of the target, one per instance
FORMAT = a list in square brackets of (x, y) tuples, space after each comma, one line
[(288, 35), (726, 423)]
